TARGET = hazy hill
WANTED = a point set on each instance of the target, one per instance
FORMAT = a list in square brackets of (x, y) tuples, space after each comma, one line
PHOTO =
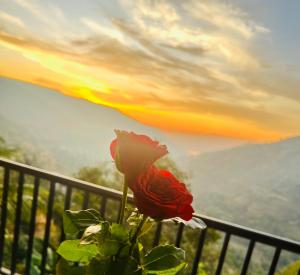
[(255, 185), (73, 131)]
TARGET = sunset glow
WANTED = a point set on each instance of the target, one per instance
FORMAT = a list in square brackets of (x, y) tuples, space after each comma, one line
[(198, 67)]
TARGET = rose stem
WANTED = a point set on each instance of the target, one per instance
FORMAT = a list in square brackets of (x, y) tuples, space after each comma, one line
[(124, 201), (135, 236)]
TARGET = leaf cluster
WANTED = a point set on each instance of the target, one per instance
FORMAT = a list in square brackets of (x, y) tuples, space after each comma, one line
[(95, 246)]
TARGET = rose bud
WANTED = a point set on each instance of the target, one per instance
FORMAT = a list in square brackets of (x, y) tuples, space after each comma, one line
[(134, 153)]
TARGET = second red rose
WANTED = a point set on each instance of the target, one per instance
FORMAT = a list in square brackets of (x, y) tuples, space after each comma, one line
[(158, 194)]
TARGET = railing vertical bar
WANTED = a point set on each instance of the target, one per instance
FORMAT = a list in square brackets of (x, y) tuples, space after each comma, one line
[(223, 254), (68, 198), (103, 206), (275, 261), (86, 200), (179, 234), (157, 234), (15, 244), (3, 212), (32, 224), (47, 226), (248, 257), (66, 206), (199, 251)]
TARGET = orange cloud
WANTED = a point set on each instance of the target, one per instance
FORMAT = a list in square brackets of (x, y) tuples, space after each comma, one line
[(195, 123)]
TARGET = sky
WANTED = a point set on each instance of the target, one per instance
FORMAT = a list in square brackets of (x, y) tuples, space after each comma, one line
[(211, 67)]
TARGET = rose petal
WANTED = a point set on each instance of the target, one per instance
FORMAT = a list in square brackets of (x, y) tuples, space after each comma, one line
[(113, 148)]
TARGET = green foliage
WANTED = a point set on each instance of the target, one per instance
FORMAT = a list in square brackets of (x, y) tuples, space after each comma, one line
[(109, 247), (76, 221), (103, 175), (119, 233), (63, 267), (291, 269), (15, 153), (134, 219), (5, 150), (164, 259), (95, 233), (72, 250), (124, 266), (201, 269), (97, 267)]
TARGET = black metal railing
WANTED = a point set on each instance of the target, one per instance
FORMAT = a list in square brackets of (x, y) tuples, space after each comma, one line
[(66, 187)]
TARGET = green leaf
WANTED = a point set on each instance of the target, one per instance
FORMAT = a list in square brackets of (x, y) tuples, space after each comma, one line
[(71, 250), (76, 221), (134, 218), (119, 233), (124, 252), (146, 227), (125, 266), (164, 257), (64, 268), (99, 267), (171, 271), (140, 247), (95, 233), (109, 248)]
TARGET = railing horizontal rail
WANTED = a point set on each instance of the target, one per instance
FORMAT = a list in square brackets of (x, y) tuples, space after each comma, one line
[(230, 229), (248, 233), (64, 180)]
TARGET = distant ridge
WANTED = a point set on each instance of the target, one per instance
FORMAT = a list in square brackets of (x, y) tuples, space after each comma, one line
[(255, 184)]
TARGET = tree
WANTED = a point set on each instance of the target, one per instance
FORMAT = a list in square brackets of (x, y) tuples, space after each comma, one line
[(291, 269)]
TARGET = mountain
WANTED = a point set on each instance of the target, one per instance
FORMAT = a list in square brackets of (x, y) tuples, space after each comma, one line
[(73, 132), (256, 185)]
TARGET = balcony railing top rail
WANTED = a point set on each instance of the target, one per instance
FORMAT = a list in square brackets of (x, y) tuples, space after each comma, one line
[(279, 244)]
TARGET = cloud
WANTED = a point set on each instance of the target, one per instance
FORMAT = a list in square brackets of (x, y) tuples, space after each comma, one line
[(224, 16), (47, 13), (156, 10), (29, 6), (10, 19), (162, 62), (212, 27), (28, 42), (102, 29)]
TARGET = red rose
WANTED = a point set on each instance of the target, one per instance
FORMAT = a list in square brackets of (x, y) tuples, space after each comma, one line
[(135, 153), (158, 194)]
